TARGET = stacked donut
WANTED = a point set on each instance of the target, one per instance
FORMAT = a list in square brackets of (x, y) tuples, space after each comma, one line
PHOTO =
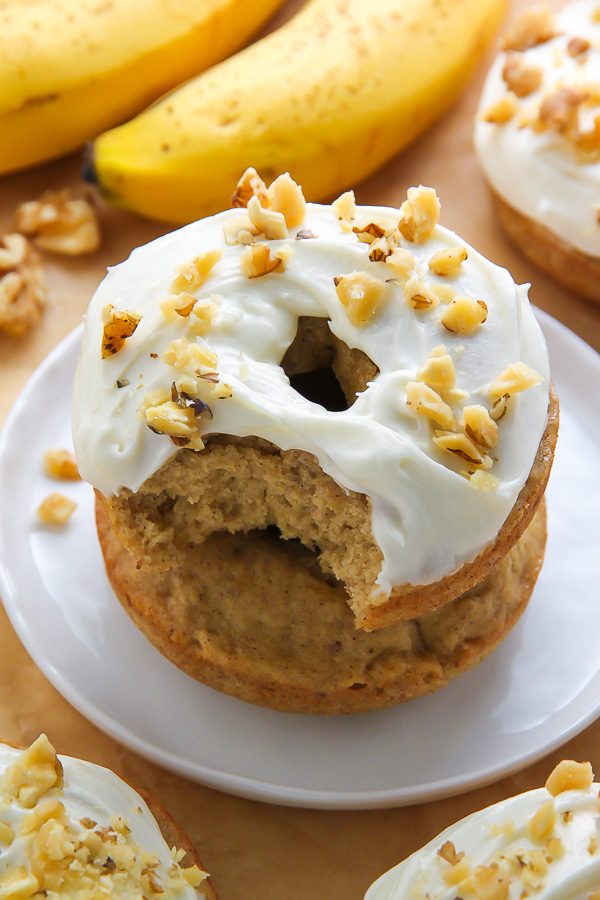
[(320, 438)]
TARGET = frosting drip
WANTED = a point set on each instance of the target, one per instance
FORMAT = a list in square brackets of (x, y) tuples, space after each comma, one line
[(427, 519)]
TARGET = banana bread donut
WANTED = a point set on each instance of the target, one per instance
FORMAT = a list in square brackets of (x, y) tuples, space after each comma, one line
[(543, 843), (537, 136), (69, 828), (357, 380)]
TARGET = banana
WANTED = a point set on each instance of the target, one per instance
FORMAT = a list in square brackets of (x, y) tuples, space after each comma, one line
[(329, 96), (70, 69)]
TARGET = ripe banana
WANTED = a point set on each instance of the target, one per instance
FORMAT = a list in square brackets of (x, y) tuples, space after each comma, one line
[(329, 96), (69, 69)]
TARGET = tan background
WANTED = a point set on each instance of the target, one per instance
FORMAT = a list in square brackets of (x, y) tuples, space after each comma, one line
[(255, 850)]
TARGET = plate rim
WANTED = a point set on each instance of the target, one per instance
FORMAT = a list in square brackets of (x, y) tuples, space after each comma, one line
[(245, 786)]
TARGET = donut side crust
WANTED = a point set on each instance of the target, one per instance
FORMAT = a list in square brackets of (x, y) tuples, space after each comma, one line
[(575, 270), (247, 615)]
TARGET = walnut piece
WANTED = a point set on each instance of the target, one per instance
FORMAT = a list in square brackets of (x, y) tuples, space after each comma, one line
[(240, 230), (457, 873), (460, 445), (438, 372), (427, 402), (361, 295), (344, 207), (502, 110), (183, 354), (60, 223), (515, 378), (367, 232), (287, 198), (484, 481), (250, 185), (34, 772), (56, 509), (401, 262), (22, 285), (419, 295), (464, 315), (169, 418), (118, 325), (419, 214), (577, 46), (490, 882), (271, 223), (541, 825), (480, 426), (447, 262), (193, 274), (256, 261), (61, 464), (570, 776), (534, 26), (448, 852), (559, 109), (520, 78)]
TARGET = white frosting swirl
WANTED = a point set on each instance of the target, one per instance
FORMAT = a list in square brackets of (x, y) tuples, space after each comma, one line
[(538, 173), (427, 519), (93, 792), (488, 837)]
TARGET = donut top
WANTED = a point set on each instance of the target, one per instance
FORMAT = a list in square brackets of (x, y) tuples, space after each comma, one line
[(185, 339), (72, 829), (537, 131), (543, 844)]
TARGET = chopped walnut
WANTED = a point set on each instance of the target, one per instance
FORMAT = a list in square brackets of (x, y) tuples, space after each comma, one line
[(499, 407), (570, 776), (419, 214), (153, 398), (532, 867), (541, 825), (462, 446), (447, 262), (344, 207), (515, 378), (202, 315), (464, 315), (534, 26), (22, 288), (257, 261), (438, 371), (490, 882), (13, 253), (18, 884), (484, 481), (401, 262), (33, 773), (361, 294), (502, 110), (559, 109), (56, 509), (62, 465), (7, 834), (577, 46), (118, 325), (240, 230), (457, 873), (250, 185), (420, 295), (520, 78), (381, 249), (587, 143), (367, 232), (448, 852), (194, 273), (183, 354), (60, 223), (427, 402), (174, 305), (271, 223), (287, 198), (480, 427), (171, 419), (555, 849)]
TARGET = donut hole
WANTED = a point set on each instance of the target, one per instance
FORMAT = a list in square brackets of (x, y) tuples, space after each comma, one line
[(323, 369)]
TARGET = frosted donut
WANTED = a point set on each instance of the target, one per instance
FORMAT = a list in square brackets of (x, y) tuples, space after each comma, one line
[(69, 828), (537, 136), (542, 843)]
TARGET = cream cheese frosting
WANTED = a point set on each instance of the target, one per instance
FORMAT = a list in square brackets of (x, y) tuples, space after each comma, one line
[(563, 864), (427, 518), (539, 171), (90, 793)]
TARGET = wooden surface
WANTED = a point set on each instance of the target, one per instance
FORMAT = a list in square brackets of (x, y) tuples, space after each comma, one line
[(256, 850)]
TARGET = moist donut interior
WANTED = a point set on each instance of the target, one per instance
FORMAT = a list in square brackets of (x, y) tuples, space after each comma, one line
[(249, 485)]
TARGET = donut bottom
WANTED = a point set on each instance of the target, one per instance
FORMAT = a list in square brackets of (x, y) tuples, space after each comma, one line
[(253, 616), (573, 269)]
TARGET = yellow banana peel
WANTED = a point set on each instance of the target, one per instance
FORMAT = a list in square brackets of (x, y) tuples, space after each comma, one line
[(330, 96), (70, 69)]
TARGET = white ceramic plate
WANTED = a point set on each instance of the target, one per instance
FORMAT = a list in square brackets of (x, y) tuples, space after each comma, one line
[(538, 689)]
